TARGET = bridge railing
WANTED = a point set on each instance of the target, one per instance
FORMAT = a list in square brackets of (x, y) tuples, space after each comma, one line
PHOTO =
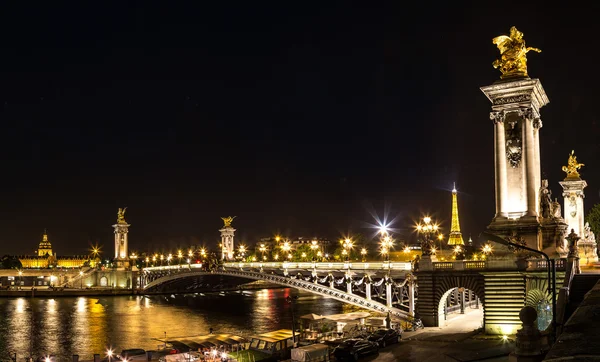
[(323, 265), (501, 264), (175, 267)]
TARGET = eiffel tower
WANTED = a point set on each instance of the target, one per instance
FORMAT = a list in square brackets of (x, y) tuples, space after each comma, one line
[(455, 237)]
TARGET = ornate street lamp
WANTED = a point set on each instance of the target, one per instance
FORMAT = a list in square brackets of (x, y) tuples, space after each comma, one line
[(286, 249), (262, 249), (363, 252), (347, 245), (429, 231), (179, 255), (314, 247)]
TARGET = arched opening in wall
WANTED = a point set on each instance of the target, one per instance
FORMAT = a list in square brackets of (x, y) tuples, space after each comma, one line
[(104, 282), (460, 306)]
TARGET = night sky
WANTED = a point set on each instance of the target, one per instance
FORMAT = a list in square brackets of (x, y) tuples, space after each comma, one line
[(299, 118)]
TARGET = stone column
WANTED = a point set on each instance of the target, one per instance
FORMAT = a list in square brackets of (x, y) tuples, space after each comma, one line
[(537, 124), (531, 165), (388, 293), (349, 286), (368, 290), (500, 161), (121, 244), (227, 246)]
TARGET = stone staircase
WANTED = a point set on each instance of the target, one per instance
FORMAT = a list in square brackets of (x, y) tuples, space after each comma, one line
[(581, 284), (504, 298)]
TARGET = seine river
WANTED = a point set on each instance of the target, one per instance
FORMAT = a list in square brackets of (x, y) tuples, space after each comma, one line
[(87, 325)]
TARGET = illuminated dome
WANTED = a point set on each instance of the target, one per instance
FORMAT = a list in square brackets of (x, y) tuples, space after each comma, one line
[(45, 248)]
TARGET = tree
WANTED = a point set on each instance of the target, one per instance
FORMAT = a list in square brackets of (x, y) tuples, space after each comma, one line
[(10, 262), (593, 218)]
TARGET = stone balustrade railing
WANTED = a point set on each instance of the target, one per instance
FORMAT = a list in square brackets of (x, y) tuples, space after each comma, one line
[(500, 264)]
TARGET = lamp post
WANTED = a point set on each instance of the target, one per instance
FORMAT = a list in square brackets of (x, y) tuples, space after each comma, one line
[(347, 245), (286, 249), (20, 278), (169, 257), (363, 252), (179, 256), (147, 260), (242, 251), (81, 279), (550, 263), (262, 250), (428, 229), (314, 247), (162, 257)]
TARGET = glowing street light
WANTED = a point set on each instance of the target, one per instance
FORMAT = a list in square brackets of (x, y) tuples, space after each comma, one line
[(262, 250), (347, 245), (179, 255), (363, 252), (428, 229), (487, 249), (313, 247), (162, 257), (286, 247), (169, 257)]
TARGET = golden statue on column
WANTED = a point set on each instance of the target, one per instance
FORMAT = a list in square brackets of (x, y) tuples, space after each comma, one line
[(228, 220), (121, 216), (513, 54), (572, 166)]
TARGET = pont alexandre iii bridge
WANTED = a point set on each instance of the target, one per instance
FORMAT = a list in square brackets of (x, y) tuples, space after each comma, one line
[(501, 287)]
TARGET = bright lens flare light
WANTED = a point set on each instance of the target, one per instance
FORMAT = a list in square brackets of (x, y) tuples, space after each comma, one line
[(487, 249)]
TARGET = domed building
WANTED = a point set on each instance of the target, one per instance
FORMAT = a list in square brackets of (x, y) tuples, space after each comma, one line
[(46, 258), (45, 248)]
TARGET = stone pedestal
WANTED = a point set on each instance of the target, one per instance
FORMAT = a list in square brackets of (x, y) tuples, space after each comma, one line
[(516, 115), (530, 344), (554, 231)]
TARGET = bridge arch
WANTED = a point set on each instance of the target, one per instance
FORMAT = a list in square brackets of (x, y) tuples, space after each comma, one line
[(434, 288), (286, 281)]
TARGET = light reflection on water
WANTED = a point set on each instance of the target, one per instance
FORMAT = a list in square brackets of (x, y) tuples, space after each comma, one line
[(84, 326)]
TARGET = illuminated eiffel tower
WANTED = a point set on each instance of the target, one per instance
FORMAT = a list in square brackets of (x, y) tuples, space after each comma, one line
[(455, 237)]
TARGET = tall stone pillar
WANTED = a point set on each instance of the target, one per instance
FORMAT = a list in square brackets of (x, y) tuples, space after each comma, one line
[(574, 216), (227, 233), (516, 104), (121, 231)]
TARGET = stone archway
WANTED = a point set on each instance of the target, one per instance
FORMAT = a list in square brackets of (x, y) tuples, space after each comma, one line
[(434, 287), (464, 300), (104, 281)]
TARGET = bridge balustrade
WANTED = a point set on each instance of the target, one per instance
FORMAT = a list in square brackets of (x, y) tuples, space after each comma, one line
[(500, 264), (323, 265)]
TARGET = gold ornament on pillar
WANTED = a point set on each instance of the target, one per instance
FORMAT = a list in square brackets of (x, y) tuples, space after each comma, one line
[(121, 216), (228, 220), (513, 54), (572, 166)]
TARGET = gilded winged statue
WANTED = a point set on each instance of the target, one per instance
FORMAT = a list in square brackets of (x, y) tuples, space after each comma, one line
[(513, 54), (121, 216), (572, 166), (228, 220)]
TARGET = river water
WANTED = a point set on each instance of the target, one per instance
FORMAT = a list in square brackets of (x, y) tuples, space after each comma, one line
[(88, 325)]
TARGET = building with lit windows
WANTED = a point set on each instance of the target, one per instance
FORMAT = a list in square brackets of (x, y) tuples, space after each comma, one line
[(46, 258)]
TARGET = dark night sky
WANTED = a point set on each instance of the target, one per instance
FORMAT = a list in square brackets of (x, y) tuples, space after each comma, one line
[(298, 118)]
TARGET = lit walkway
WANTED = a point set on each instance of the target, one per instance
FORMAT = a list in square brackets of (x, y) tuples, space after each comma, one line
[(457, 341)]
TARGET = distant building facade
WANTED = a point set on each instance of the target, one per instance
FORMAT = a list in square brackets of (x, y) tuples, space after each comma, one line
[(46, 258)]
